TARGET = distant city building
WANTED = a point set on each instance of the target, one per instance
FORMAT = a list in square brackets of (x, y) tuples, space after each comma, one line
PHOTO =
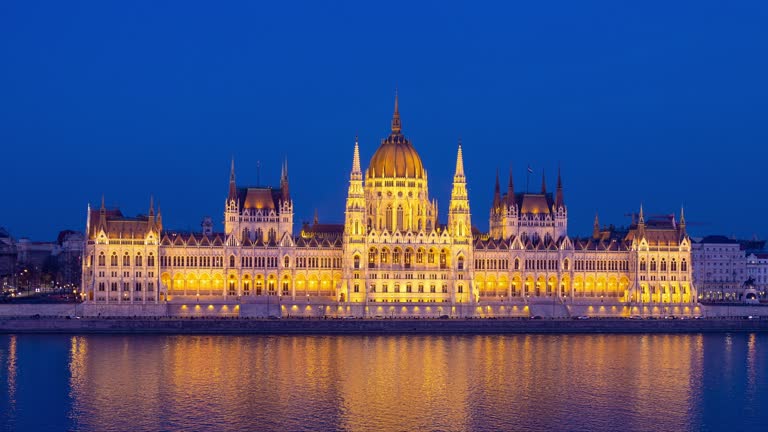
[(721, 267), (757, 269), (392, 255), (8, 256)]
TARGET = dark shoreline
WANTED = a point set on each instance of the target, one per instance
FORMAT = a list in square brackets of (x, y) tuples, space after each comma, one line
[(361, 327)]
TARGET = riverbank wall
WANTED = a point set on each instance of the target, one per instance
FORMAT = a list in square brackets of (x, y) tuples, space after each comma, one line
[(372, 326), (319, 310)]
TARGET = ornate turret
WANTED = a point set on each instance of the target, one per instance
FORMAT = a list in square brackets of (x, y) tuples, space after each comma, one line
[(641, 222), (510, 189), (497, 193)]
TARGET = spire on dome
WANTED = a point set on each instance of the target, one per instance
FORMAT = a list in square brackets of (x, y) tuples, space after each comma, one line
[(396, 117)]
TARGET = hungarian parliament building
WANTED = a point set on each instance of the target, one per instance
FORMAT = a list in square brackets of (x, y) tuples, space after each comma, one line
[(392, 256)]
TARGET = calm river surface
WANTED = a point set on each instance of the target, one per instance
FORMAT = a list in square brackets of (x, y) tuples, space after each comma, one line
[(382, 383)]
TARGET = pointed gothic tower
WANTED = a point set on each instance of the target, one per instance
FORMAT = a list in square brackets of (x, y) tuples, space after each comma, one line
[(560, 209), (231, 205), (458, 212), (460, 229), (355, 230)]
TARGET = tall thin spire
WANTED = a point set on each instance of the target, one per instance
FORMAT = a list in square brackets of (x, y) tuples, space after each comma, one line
[(356, 158), (543, 183), (682, 221), (232, 186), (596, 227), (102, 202), (496, 192), (151, 205), (396, 117), (559, 200), (459, 162), (510, 188), (284, 188)]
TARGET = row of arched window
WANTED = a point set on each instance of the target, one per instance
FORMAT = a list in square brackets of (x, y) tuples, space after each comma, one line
[(138, 260), (663, 265), (408, 257)]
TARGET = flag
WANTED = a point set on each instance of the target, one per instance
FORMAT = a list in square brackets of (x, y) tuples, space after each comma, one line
[(530, 170)]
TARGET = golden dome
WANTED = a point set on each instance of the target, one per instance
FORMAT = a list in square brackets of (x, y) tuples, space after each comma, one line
[(396, 157)]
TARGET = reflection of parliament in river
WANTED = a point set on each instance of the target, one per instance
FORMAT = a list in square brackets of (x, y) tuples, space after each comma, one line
[(392, 255)]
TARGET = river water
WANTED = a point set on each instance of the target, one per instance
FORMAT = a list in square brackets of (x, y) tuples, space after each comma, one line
[(384, 383)]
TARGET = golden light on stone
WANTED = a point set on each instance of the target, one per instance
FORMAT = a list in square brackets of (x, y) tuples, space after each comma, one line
[(392, 248)]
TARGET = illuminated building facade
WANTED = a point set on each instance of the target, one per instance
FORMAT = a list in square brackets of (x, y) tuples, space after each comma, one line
[(392, 256)]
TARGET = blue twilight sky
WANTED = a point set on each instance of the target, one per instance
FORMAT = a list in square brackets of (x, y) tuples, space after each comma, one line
[(658, 102)]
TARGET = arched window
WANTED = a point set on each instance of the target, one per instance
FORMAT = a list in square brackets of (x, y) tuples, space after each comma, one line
[(460, 263), (113, 259), (517, 263), (388, 218), (286, 262), (684, 265), (420, 256), (384, 255), (231, 260), (138, 260), (408, 254), (431, 257), (400, 220), (653, 264), (357, 261), (372, 258), (566, 264), (643, 265), (102, 260), (232, 285), (673, 265), (663, 264), (151, 260), (443, 259), (396, 256)]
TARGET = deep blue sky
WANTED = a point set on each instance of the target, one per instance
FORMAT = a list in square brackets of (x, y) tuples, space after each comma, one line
[(663, 103)]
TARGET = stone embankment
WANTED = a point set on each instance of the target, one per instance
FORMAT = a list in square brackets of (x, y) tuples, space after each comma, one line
[(371, 326)]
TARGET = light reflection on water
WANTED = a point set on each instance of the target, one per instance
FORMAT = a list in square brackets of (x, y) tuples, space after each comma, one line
[(519, 382)]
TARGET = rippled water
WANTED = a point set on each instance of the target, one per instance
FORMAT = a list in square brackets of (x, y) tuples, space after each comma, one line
[(378, 383)]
